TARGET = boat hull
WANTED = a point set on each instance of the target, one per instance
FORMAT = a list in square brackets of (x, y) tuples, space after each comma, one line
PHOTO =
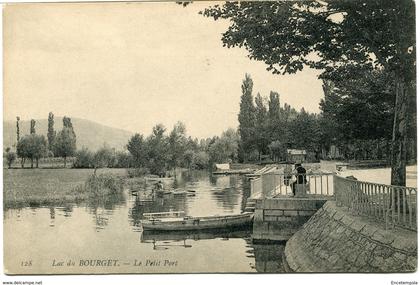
[(200, 223)]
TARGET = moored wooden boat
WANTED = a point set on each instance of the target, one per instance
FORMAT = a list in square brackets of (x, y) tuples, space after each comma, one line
[(233, 171), (162, 179), (156, 223), (160, 215)]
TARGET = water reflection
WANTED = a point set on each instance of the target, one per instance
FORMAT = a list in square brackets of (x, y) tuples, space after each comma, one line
[(52, 216), (167, 240), (165, 203), (102, 207), (194, 235), (269, 258), (264, 258)]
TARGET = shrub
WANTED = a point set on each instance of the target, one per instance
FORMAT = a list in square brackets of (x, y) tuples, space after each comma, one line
[(200, 160), (83, 158), (124, 160), (103, 184), (137, 172), (10, 157)]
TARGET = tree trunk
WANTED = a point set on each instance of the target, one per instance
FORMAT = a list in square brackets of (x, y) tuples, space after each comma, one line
[(32, 163), (22, 162), (37, 163), (399, 144), (399, 137), (65, 162)]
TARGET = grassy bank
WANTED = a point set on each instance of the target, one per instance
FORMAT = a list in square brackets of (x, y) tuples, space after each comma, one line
[(44, 187)]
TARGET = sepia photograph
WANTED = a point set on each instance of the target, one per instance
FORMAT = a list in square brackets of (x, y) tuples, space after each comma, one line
[(210, 137)]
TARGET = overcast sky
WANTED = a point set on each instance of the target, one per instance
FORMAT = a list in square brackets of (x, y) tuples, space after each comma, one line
[(131, 66)]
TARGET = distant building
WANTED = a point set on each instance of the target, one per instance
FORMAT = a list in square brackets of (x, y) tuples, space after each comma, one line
[(222, 166), (334, 153), (296, 155)]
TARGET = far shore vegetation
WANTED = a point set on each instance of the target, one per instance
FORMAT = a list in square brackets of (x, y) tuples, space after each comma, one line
[(59, 187)]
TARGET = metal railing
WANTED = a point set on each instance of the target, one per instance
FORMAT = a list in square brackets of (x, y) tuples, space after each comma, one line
[(274, 184), (391, 205), (256, 188)]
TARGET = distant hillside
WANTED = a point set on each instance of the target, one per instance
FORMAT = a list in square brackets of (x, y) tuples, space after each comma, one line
[(89, 134)]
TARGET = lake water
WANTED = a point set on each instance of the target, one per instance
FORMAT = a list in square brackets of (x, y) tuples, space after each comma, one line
[(109, 230), (382, 175), (69, 239)]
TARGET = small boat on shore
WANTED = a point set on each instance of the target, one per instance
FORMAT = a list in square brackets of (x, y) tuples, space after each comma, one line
[(166, 221), (157, 178), (233, 172)]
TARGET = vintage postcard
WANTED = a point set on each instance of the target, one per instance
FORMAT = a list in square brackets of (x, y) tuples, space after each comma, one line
[(209, 137)]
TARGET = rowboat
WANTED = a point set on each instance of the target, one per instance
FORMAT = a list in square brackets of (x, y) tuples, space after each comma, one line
[(160, 222), (233, 171), (166, 180)]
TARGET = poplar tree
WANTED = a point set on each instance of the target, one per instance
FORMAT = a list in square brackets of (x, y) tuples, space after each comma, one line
[(51, 133), (261, 125), (17, 129), (246, 117), (32, 130)]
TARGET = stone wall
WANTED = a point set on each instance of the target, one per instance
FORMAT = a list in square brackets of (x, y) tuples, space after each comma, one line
[(277, 219), (333, 240)]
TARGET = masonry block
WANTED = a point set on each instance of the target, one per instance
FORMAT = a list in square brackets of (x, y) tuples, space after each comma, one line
[(284, 219), (290, 212), (306, 213), (273, 213), (270, 219), (259, 215)]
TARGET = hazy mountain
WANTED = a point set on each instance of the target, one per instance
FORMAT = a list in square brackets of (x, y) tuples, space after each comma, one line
[(88, 133)]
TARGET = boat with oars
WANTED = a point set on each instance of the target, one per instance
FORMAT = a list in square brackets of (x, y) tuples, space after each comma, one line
[(178, 221)]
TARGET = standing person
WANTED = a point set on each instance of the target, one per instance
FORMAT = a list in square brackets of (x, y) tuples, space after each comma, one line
[(159, 186), (300, 173)]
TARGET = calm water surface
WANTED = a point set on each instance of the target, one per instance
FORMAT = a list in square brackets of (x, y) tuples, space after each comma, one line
[(110, 229)]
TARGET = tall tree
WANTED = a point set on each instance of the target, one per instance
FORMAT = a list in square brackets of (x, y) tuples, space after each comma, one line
[(68, 124), (274, 105), (51, 133), (22, 151), (374, 34), (65, 144), (33, 147), (261, 134), (137, 148), (246, 116), (304, 124), (103, 157), (176, 145), (17, 129), (276, 129), (225, 148), (32, 130), (157, 150), (370, 95)]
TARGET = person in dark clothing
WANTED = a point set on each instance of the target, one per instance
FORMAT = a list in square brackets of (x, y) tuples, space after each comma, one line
[(159, 186), (300, 173)]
